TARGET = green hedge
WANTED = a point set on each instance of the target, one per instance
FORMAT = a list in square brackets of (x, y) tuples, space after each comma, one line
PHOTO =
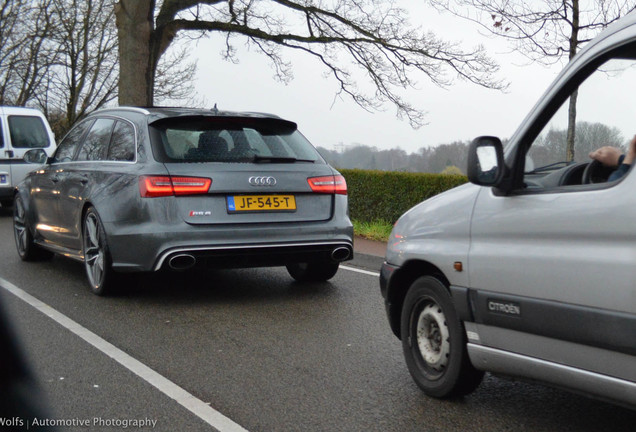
[(385, 195)]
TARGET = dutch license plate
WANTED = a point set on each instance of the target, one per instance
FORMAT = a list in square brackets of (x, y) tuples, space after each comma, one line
[(246, 203)]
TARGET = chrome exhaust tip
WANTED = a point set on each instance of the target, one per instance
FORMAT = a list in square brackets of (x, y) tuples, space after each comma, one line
[(182, 262), (340, 253)]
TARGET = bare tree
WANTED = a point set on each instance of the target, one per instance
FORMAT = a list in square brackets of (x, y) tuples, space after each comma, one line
[(175, 77), (61, 56), (85, 75), (445, 155), (546, 31), (26, 54), (374, 35)]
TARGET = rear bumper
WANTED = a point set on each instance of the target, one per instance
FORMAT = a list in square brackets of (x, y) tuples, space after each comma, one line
[(260, 255), (145, 247)]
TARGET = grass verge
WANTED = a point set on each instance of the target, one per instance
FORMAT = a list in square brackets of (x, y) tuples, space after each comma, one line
[(377, 230)]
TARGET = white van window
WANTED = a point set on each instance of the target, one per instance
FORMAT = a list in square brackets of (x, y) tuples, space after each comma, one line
[(28, 132), (604, 116)]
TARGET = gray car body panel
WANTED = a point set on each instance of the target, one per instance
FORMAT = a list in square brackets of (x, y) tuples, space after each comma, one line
[(546, 286), (143, 232)]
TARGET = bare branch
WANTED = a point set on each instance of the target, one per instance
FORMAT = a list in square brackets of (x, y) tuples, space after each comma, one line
[(377, 37)]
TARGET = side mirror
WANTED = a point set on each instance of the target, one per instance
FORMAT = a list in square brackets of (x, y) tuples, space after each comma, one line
[(485, 161), (35, 156)]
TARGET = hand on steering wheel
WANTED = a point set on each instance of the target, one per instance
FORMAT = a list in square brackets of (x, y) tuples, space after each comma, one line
[(596, 172)]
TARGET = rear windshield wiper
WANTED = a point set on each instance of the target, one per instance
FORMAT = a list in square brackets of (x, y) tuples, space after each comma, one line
[(279, 159)]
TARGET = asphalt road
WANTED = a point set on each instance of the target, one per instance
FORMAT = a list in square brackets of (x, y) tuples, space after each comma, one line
[(264, 352)]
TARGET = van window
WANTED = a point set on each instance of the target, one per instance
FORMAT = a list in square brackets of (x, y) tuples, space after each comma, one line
[(28, 132), (1, 137), (604, 116)]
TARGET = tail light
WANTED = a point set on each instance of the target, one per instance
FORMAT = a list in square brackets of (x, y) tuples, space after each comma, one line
[(158, 186), (328, 184)]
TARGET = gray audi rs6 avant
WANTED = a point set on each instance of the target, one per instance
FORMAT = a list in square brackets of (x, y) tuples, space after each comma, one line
[(144, 189)]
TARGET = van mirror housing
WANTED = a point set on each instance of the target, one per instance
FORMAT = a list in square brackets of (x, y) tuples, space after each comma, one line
[(485, 161)]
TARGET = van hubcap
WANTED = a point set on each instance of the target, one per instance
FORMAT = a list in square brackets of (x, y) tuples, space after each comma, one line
[(433, 337)]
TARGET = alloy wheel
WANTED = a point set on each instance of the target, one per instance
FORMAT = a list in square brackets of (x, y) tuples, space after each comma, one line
[(94, 254)]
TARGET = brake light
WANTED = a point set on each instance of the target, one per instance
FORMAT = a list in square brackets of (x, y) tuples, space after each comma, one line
[(191, 185), (328, 184), (158, 186)]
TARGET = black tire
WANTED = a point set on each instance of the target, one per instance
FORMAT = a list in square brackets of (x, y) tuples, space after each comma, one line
[(434, 341), (27, 249), (97, 260), (6, 203), (315, 271)]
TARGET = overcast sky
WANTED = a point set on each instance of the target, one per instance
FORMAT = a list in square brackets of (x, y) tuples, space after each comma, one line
[(460, 112)]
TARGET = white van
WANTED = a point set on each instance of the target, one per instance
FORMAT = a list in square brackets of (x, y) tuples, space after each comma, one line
[(530, 271), (21, 129)]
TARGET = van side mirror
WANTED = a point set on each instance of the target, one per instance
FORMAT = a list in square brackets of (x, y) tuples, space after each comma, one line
[(485, 161), (36, 156)]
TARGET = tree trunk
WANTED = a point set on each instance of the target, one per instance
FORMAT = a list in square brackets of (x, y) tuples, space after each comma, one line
[(574, 41), (135, 24)]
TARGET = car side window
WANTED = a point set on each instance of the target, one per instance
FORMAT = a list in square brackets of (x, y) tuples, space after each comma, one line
[(96, 143), (599, 113), (1, 137), (122, 146), (66, 150)]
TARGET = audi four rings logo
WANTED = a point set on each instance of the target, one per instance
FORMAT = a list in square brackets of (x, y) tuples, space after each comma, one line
[(262, 181)]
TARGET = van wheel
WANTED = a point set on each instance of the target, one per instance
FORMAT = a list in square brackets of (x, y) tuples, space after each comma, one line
[(97, 259), (27, 249), (434, 341), (315, 271)]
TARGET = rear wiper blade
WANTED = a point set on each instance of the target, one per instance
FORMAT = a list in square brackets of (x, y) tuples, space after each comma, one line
[(282, 159)]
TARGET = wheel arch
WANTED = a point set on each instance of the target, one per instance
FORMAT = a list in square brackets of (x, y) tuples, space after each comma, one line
[(26, 202), (85, 207), (401, 280)]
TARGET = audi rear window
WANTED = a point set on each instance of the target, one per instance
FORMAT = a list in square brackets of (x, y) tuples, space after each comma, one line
[(223, 139)]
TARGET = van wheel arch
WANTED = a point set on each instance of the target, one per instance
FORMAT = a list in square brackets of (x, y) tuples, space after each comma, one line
[(401, 283)]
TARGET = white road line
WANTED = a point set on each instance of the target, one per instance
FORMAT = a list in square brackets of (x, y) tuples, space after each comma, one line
[(167, 387), (357, 270)]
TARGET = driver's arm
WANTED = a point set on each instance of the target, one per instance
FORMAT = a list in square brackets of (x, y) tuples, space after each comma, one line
[(621, 170), (612, 157), (625, 162)]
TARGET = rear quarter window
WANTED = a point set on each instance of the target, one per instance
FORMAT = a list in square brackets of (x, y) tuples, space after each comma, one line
[(122, 146)]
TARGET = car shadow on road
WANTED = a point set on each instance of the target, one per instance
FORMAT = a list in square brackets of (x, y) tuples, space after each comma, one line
[(219, 285)]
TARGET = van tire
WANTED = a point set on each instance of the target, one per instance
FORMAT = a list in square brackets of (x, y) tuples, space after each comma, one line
[(434, 341)]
